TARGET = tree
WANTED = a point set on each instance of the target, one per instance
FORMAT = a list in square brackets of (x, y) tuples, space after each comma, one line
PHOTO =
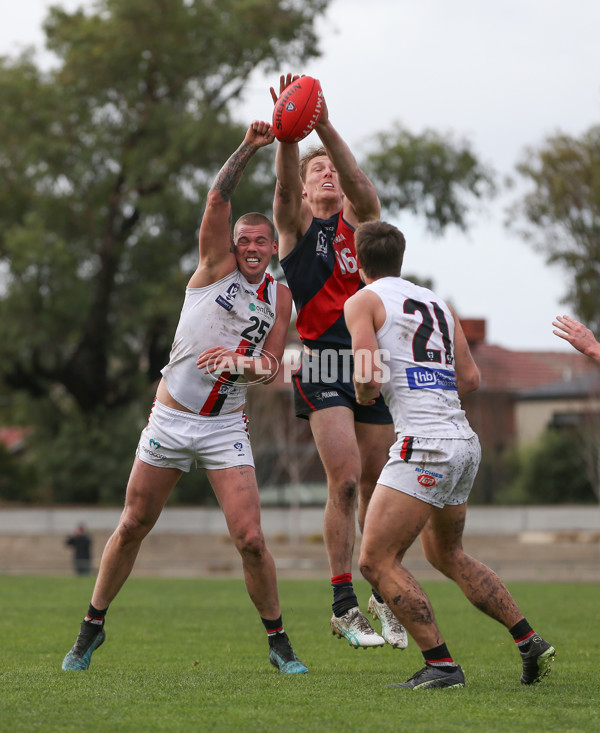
[(429, 174), (561, 214), (551, 471)]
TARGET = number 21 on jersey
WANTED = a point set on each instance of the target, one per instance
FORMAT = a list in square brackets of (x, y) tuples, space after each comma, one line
[(422, 352)]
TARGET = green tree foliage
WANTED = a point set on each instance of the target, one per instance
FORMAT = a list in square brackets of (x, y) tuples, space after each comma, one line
[(553, 471), (16, 479), (562, 213), (431, 175)]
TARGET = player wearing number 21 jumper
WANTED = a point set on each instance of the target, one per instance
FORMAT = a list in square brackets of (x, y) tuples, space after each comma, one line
[(409, 345), (319, 200), (232, 331)]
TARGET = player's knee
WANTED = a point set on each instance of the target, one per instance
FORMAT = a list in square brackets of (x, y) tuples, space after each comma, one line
[(434, 558), (132, 529), (444, 562), (251, 542), (343, 491), (369, 572), (369, 565)]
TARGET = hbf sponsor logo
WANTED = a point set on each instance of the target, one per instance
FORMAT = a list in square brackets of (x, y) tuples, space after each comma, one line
[(423, 378)]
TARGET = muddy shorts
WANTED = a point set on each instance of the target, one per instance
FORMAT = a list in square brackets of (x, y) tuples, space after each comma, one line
[(439, 471)]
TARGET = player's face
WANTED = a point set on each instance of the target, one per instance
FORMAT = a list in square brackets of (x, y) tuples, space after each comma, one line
[(253, 250), (321, 182)]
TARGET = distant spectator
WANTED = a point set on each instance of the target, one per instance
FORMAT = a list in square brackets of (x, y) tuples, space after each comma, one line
[(81, 543), (578, 336)]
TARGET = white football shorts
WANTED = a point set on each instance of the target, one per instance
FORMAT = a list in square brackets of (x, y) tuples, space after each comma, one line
[(439, 471), (177, 439)]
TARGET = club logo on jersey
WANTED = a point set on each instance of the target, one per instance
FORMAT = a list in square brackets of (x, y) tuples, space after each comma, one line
[(238, 445), (154, 444), (225, 300), (424, 378), (321, 249)]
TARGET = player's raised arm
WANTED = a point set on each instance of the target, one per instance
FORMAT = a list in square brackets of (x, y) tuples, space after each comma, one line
[(215, 240), (361, 202), (291, 214)]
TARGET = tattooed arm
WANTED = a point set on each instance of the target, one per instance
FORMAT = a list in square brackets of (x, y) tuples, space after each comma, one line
[(215, 241)]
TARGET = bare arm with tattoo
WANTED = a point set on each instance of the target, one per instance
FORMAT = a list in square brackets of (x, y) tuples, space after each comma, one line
[(215, 241)]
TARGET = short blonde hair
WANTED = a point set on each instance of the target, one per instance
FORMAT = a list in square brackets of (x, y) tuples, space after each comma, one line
[(253, 218), (308, 156)]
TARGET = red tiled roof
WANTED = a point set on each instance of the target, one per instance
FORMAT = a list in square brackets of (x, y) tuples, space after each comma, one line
[(511, 371), (13, 438)]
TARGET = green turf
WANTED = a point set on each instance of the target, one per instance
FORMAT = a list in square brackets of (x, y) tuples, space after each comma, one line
[(191, 655)]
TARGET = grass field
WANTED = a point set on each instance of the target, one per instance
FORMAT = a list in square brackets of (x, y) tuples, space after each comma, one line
[(191, 655)]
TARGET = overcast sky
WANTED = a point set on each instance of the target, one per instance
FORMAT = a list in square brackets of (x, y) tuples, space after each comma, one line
[(504, 75)]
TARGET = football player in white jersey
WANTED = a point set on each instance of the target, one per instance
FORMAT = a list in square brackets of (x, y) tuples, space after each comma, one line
[(232, 331), (409, 346)]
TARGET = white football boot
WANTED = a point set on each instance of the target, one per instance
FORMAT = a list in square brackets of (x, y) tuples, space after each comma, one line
[(354, 627), (391, 629)]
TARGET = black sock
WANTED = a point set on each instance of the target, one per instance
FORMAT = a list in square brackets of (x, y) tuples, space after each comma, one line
[(440, 658), (95, 616), (378, 598), (344, 597), (275, 630), (522, 632)]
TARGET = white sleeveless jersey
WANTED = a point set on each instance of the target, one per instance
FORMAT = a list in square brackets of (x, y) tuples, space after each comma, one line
[(417, 345), (232, 313)]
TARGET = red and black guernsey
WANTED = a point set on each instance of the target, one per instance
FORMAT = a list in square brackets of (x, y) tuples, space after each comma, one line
[(322, 273)]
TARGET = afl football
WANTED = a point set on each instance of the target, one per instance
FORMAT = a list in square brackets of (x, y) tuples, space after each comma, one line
[(298, 110)]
